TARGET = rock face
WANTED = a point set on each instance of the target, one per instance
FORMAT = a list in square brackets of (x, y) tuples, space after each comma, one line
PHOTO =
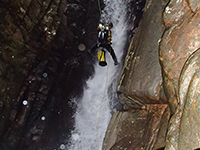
[(41, 68), (179, 56), (143, 123), (159, 85), (137, 128), (141, 81)]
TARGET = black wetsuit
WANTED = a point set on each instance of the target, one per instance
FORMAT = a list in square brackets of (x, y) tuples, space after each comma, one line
[(104, 41), (108, 47)]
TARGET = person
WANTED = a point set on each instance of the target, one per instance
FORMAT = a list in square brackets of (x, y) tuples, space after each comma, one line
[(105, 40)]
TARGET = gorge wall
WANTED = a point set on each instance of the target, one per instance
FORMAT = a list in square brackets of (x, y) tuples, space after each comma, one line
[(159, 85), (42, 67)]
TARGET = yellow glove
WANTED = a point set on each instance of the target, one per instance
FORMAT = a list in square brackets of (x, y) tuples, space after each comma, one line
[(109, 39)]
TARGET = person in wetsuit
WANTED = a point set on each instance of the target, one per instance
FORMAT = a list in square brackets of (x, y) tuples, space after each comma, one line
[(105, 40)]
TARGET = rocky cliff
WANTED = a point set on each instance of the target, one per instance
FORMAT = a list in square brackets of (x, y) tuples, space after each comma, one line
[(41, 68), (159, 85), (143, 122)]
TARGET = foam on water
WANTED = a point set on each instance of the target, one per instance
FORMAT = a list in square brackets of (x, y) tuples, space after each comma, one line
[(93, 110)]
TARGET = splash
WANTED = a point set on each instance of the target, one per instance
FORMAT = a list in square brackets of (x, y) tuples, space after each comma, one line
[(93, 110)]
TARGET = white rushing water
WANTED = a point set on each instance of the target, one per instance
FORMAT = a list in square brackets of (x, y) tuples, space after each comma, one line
[(93, 110)]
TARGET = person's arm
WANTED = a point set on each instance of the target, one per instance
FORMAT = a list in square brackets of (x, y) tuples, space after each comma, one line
[(100, 26), (109, 37)]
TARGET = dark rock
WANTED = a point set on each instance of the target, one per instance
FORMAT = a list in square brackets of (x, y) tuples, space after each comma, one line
[(41, 68), (138, 129), (143, 123), (176, 43), (179, 58), (141, 81)]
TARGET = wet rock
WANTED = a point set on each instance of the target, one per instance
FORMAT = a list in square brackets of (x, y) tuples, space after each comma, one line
[(138, 128), (178, 54), (41, 68), (176, 42), (184, 123), (173, 48), (143, 122), (141, 81)]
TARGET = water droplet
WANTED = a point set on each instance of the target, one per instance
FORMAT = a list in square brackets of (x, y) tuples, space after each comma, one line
[(81, 47), (43, 118), (75, 136), (62, 146), (45, 75), (25, 102)]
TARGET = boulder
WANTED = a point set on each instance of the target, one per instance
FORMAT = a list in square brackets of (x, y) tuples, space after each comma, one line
[(161, 74), (143, 122), (138, 128), (179, 57), (141, 81)]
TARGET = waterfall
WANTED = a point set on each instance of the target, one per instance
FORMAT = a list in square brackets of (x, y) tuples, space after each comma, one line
[(93, 111)]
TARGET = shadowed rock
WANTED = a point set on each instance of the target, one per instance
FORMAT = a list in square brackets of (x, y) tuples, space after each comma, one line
[(143, 123), (169, 31), (41, 69), (179, 63)]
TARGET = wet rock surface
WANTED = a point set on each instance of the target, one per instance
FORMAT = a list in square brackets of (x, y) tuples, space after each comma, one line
[(41, 68), (143, 122), (141, 77), (179, 58), (137, 129), (165, 50)]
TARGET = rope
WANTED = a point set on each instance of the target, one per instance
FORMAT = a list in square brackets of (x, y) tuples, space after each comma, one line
[(99, 9), (104, 93)]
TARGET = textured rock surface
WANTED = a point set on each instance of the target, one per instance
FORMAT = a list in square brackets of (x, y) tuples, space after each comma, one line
[(179, 59), (184, 129), (41, 68), (141, 81), (143, 124), (175, 30), (178, 42), (138, 129), (40, 65)]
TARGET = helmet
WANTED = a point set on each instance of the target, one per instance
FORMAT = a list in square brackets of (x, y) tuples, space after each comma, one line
[(110, 24)]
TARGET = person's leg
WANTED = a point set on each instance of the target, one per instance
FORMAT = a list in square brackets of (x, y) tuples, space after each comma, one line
[(93, 48), (111, 51)]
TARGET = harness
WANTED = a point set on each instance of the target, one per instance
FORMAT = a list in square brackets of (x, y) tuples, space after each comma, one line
[(103, 34)]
